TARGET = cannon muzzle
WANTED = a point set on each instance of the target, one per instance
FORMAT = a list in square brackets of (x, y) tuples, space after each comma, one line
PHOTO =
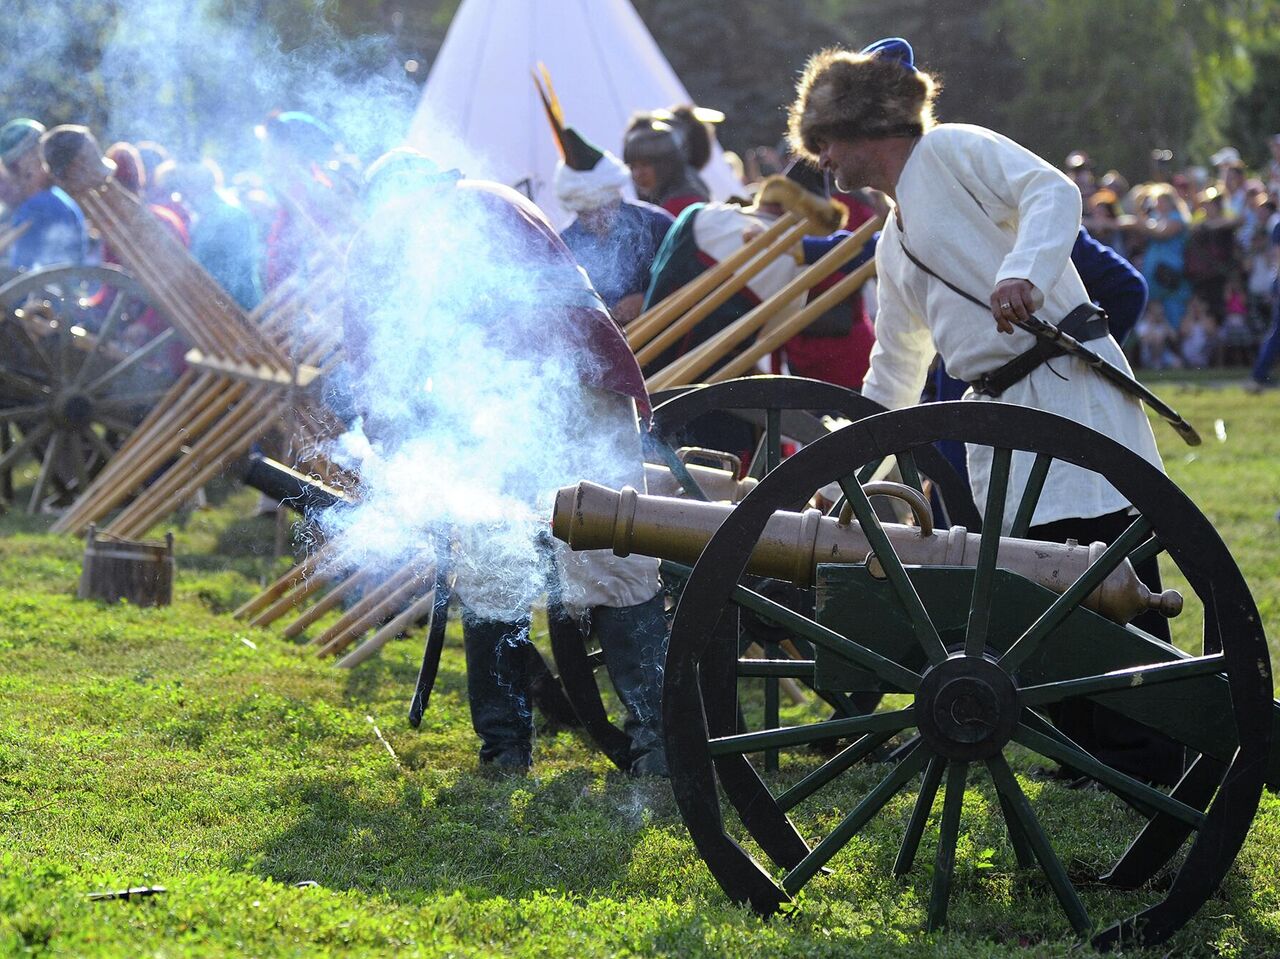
[(74, 158), (295, 490), (589, 516)]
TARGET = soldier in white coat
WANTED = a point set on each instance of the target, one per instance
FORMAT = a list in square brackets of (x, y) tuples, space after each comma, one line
[(976, 212)]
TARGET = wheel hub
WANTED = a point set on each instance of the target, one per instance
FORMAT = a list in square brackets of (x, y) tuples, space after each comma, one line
[(74, 410), (967, 708)]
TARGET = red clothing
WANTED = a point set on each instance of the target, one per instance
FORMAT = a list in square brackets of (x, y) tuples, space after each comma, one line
[(674, 204), (842, 360)]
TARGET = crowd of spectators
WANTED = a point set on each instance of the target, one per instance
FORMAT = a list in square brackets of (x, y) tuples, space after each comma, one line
[(1207, 241)]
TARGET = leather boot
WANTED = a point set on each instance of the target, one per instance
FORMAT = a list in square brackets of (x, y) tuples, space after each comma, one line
[(498, 690), (634, 642)]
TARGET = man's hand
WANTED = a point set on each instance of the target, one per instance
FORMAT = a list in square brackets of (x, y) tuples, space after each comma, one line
[(1014, 299)]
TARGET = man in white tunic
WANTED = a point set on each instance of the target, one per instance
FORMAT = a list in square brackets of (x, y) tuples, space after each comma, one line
[(986, 216)]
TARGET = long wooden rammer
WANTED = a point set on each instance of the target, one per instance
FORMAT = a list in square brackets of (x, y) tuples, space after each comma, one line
[(248, 372)]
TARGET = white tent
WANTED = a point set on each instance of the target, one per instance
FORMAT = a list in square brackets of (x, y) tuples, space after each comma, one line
[(480, 111)]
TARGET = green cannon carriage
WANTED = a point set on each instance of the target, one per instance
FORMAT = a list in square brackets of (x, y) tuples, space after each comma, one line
[(966, 640)]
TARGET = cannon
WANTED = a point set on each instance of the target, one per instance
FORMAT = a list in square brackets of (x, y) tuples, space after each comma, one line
[(79, 368), (972, 658), (766, 409)]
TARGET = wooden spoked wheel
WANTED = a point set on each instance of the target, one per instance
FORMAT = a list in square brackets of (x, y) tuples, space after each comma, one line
[(975, 659), (776, 408), (82, 360)]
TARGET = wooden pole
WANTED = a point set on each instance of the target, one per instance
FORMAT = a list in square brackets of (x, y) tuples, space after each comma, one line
[(302, 591), (373, 645), (282, 584), (370, 600), (328, 602), (407, 592), (648, 324), (688, 321), (766, 344), (687, 369)]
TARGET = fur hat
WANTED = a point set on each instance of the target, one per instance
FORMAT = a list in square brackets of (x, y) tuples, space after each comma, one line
[(849, 96)]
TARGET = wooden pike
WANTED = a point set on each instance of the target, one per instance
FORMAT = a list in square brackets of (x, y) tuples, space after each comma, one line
[(689, 367), (655, 319), (326, 603), (683, 325), (303, 590), (291, 577), (207, 458), (793, 325), (391, 602), (415, 611)]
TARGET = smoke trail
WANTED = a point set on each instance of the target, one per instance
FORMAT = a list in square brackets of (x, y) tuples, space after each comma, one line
[(471, 369)]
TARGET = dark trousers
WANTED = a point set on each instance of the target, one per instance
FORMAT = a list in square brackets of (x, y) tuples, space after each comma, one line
[(1118, 741)]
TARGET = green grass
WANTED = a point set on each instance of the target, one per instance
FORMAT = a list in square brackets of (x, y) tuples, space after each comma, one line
[(181, 748)]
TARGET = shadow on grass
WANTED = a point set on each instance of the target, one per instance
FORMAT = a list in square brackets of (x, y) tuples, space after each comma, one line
[(484, 837)]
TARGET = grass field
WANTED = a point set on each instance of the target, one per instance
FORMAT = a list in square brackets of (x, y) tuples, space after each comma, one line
[(180, 748)]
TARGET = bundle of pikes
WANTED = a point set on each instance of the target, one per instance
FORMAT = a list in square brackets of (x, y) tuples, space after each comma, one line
[(247, 373), (774, 320)]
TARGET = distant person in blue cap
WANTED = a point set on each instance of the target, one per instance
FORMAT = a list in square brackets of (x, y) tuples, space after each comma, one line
[(975, 212), (56, 234)]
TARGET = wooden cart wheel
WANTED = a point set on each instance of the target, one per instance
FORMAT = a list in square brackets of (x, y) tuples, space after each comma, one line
[(77, 372), (976, 656), (777, 407)]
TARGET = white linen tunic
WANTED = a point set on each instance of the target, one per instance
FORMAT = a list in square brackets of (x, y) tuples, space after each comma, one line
[(978, 208)]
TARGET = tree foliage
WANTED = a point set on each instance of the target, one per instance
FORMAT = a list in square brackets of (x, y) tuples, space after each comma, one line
[(1114, 79)]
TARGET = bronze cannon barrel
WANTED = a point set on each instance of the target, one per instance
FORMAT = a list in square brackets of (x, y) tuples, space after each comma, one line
[(590, 516)]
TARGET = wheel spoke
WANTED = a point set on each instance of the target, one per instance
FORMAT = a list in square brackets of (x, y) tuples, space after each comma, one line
[(833, 767), (919, 816), (908, 471), (46, 468), (134, 358), (1144, 796), (103, 334), (868, 471), (22, 412), (113, 401), (859, 817), (773, 439), (1030, 496), (1160, 838), (1076, 594), (1022, 850), (1132, 677), (988, 551), (944, 864), (926, 633), (895, 675), (891, 721), (98, 443), (23, 384), (1152, 547), (1007, 784), (20, 448), (77, 453)]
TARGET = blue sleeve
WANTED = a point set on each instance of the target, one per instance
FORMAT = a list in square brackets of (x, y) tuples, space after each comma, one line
[(816, 247), (1111, 281)]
